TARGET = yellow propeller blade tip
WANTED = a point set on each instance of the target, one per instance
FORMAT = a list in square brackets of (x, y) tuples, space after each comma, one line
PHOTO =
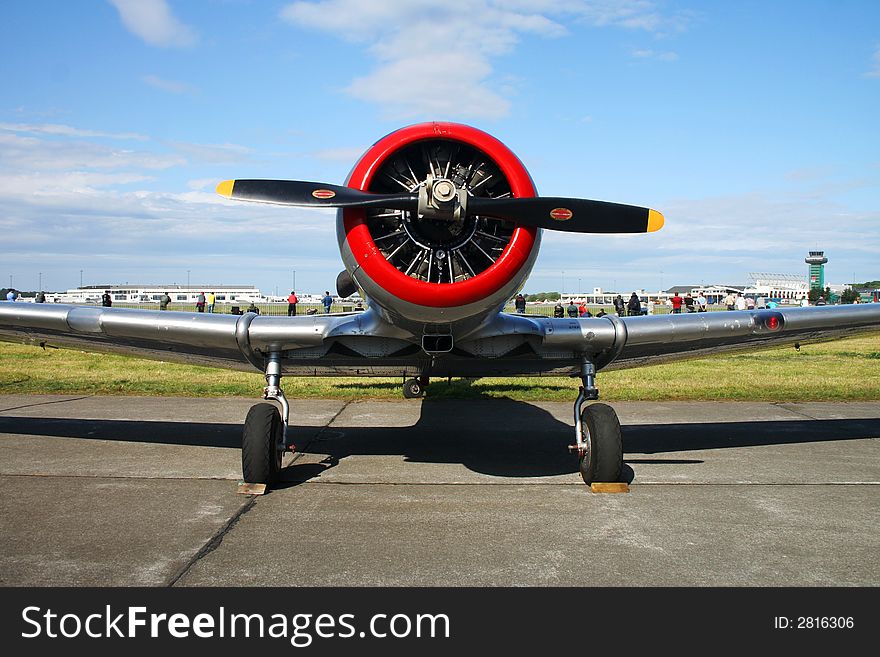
[(225, 188), (655, 221)]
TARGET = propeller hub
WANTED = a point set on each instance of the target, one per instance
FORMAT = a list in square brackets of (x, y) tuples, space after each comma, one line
[(441, 200), (443, 191)]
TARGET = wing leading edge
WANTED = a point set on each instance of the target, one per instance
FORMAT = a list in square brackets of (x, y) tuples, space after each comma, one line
[(662, 338), (365, 344), (218, 340)]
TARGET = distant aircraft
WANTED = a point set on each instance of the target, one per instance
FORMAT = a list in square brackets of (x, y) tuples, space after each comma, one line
[(438, 226)]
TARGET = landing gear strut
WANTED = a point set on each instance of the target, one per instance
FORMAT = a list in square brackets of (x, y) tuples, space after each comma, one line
[(599, 444), (415, 388), (264, 440)]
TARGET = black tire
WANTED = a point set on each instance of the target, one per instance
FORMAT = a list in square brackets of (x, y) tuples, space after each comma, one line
[(260, 456), (603, 461), (412, 388)]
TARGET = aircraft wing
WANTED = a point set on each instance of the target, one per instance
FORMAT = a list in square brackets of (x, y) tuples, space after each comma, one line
[(658, 338), (364, 344), (620, 342), (217, 340)]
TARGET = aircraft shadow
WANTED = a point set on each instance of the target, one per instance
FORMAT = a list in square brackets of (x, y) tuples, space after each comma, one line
[(498, 437)]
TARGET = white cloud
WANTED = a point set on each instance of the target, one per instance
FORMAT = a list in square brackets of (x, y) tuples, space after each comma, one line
[(436, 59), (717, 240), (153, 22), (19, 153), (201, 183), (71, 202), (155, 237), (463, 91), (213, 153), (340, 154), (875, 68), (67, 131), (666, 56), (60, 187), (171, 86)]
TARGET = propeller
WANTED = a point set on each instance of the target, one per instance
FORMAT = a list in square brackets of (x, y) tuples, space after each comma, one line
[(554, 213)]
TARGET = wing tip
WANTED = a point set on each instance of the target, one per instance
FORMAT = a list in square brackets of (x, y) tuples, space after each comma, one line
[(225, 188), (655, 221)]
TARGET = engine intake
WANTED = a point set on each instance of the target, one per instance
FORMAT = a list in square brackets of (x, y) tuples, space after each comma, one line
[(436, 246), (437, 344)]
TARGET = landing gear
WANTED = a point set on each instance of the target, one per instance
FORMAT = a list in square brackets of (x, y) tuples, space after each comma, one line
[(415, 388), (601, 459), (260, 455), (599, 444), (264, 440)]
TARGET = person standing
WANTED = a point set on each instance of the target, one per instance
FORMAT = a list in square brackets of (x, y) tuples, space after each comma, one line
[(558, 310), (520, 304), (572, 309), (730, 301), (676, 303), (210, 300), (702, 303), (327, 301), (689, 303), (106, 300), (740, 302), (40, 298), (164, 300), (633, 306), (200, 302), (619, 306), (292, 300)]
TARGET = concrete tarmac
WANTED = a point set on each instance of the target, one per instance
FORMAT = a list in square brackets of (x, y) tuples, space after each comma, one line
[(125, 491)]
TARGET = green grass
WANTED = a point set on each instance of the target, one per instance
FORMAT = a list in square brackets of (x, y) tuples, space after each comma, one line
[(845, 370)]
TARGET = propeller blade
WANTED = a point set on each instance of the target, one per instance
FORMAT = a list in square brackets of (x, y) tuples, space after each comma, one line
[(566, 214), (311, 194), (569, 214)]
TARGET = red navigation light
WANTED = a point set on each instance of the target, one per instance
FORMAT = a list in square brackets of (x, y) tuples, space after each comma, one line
[(773, 322)]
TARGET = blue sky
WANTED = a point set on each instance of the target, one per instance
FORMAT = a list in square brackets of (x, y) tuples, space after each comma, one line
[(752, 126)]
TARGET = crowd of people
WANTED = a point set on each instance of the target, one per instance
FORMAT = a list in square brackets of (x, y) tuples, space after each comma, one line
[(206, 302), (678, 304)]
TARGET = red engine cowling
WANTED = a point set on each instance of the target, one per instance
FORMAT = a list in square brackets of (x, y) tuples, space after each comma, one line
[(436, 271)]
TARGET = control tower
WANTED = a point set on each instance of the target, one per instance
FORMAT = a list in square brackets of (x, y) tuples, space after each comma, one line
[(817, 261)]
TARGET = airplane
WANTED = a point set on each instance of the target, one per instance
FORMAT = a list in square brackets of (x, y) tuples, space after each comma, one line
[(439, 225)]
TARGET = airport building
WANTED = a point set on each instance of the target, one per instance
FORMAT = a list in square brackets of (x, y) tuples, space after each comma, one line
[(786, 288), (782, 288), (140, 294), (181, 294)]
